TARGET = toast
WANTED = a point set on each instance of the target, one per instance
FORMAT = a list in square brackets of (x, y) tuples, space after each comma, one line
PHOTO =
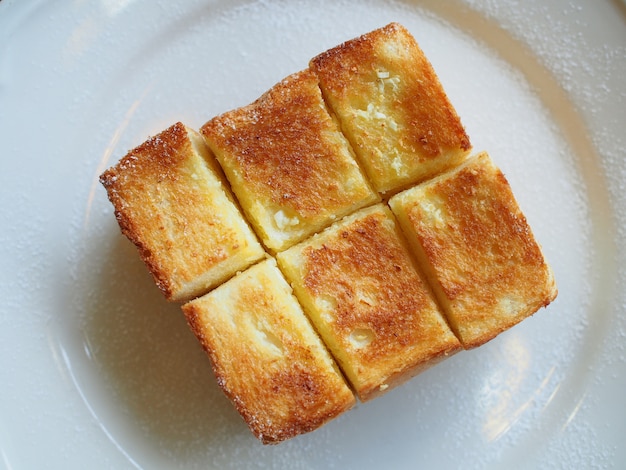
[(170, 201), (362, 291), (392, 108), (266, 356), (350, 286), (289, 165), (477, 249)]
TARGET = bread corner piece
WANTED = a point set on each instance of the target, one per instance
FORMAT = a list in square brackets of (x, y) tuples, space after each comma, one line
[(477, 249), (170, 201), (266, 355), (359, 285), (392, 107), (289, 165)]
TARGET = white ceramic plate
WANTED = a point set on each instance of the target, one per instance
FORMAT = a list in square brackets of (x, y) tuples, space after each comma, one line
[(98, 371)]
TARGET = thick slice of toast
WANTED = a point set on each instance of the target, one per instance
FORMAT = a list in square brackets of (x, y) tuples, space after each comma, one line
[(392, 107), (367, 121), (361, 289), (287, 162), (170, 201), (266, 355), (477, 249)]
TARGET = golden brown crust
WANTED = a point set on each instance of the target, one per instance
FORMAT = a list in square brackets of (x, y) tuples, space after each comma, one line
[(284, 151), (291, 163), (278, 146), (266, 356), (363, 265), (410, 115), (477, 245), (163, 194)]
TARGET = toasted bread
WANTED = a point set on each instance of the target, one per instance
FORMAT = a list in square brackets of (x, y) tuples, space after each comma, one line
[(387, 290), (289, 165), (477, 249), (266, 355), (360, 287), (392, 107), (170, 202)]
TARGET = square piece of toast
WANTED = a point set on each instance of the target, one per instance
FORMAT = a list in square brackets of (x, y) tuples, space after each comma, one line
[(170, 201), (476, 248), (333, 238), (266, 355), (360, 287), (288, 163), (392, 107)]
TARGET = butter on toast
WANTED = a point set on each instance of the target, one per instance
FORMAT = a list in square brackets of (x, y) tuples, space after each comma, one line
[(360, 287), (266, 355), (287, 162), (388, 290), (477, 249), (392, 107), (170, 201)]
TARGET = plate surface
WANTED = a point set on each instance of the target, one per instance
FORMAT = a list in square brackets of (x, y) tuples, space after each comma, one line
[(98, 371)]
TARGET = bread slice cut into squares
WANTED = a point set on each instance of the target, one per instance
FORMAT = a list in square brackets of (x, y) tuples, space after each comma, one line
[(171, 202), (287, 162), (266, 355), (477, 249), (362, 291), (392, 107)]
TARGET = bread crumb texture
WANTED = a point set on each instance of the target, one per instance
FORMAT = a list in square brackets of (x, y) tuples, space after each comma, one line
[(383, 323), (288, 163), (170, 201), (266, 356), (351, 183), (392, 107), (478, 248)]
